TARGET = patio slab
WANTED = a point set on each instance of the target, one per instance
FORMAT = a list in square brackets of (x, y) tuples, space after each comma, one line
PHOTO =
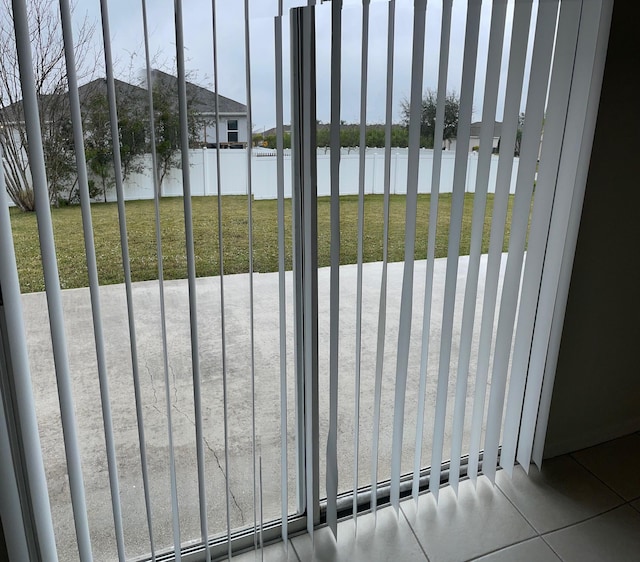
[(151, 374)]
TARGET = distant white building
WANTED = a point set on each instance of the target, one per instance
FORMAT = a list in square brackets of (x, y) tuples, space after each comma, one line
[(474, 138)]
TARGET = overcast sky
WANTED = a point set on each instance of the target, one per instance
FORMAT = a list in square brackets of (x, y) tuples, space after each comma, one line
[(127, 45)]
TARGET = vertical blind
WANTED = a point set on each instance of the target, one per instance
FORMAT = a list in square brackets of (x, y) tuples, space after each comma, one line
[(487, 336)]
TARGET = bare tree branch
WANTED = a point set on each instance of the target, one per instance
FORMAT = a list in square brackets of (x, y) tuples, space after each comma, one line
[(51, 87)]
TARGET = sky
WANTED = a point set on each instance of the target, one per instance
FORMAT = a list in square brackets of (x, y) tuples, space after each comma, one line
[(128, 50)]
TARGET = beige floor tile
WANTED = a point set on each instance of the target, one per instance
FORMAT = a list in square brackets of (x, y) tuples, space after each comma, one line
[(532, 550), (388, 539), (615, 463), (480, 520), (561, 494), (614, 535), (273, 553)]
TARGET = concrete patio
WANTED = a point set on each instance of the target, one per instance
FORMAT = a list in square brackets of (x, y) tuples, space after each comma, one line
[(267, 397)]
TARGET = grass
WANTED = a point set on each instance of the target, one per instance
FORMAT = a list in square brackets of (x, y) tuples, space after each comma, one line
[(67, 225)]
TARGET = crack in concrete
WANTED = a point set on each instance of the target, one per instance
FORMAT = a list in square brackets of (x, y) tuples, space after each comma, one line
[(233, 497), (175, 407), (215, 455), (175, 384), (153, 387)]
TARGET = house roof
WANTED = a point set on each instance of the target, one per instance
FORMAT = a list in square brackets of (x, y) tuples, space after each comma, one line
[(201, 99), (274, 130), (14, 111), (477, 125), (123, 89)]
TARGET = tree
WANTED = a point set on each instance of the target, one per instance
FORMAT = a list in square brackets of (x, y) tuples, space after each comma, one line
[(132, 131), (167, 123), (167, 128), (272, 140), (98, 146), (374, 135), (428, 117), (51, 85)]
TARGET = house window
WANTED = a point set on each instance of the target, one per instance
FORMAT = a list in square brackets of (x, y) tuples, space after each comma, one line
[(232, 130)]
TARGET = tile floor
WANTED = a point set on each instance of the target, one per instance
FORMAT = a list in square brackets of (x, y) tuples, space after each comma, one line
[(581, 507)]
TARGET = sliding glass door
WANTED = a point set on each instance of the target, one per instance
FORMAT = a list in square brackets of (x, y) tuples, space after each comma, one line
[(359, 303)]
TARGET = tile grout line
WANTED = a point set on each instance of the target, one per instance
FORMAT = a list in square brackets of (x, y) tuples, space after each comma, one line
[(551, 547), (422, 548), (570, 455), (543, 536), (496, 485), (538, 534), (495, 551), (584, 520), (294, 550), (624, 502)]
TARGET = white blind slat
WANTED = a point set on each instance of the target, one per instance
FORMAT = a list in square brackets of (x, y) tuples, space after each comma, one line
[(92, 269), (24, 400), (136, 379), (191, 274), (51, 279), (455, 228), (382, 309), (361, 178), (247, 54), (406, 304), (541, 215), (538, 80), (334, 282), (163, 318), (284, 476), (443, 68), (13, 523), (223, 332), (517, 56), (587, 78), (492, 78)]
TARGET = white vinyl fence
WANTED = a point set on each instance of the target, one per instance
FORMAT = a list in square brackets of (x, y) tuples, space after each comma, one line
[(234, 174)]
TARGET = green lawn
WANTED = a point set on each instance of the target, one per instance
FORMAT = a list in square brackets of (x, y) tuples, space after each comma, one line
[(67, 226)]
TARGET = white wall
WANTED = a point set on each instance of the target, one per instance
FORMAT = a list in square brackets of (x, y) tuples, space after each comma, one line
[(233, 168)]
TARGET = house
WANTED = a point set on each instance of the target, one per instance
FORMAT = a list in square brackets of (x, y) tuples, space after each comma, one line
[(474, 137), (132, 101), (233, 114), (99, 87), (202, 102)]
